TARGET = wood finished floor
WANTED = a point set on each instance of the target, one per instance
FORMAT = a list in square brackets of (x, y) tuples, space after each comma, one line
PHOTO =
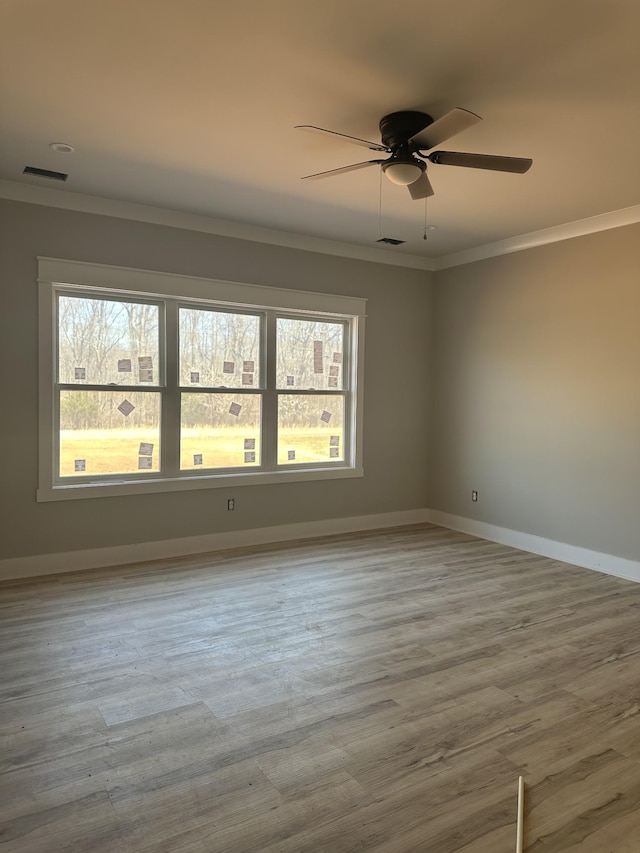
[(370, 692)]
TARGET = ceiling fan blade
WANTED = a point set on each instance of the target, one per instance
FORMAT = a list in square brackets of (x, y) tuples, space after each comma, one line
[(455, 121), (342, 169), (373, 146), (421, 188), (519, 165)]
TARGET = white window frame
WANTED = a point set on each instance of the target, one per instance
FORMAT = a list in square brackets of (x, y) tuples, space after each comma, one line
[(55, 275)]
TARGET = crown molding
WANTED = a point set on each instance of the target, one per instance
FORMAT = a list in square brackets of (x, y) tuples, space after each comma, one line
[(52, 197), (579, 228)]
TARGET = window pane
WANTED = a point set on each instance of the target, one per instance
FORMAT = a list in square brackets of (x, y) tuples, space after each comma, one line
[(219, 350), (310, 428), (104, 342), (309, 354), (220, 431), (109, 432)]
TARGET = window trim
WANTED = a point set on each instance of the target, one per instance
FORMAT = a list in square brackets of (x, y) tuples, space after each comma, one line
[(55, 273)]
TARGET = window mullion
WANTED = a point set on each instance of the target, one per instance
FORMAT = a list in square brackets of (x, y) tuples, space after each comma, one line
[(270, 399), (349, 383), (169, 357)]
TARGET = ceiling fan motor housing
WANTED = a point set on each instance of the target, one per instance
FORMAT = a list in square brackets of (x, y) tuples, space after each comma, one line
[(396, 129)]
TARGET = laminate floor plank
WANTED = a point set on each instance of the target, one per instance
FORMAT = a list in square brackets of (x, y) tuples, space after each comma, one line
[(376, 691)]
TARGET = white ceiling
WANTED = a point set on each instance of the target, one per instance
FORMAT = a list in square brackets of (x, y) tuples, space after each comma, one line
[(191, 106)]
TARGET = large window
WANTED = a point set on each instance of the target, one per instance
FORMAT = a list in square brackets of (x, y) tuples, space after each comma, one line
[(151, 382)]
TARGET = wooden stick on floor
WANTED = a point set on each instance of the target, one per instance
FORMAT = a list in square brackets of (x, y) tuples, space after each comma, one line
[(520, 824)]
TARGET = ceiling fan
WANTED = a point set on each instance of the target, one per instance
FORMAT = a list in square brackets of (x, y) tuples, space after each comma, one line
[(405, 135)]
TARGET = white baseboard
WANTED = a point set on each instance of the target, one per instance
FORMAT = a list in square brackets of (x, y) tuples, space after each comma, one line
[(588, 559), (96, 558)]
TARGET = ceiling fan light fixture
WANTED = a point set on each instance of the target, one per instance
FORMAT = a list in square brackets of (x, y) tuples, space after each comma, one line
[(403, 172)]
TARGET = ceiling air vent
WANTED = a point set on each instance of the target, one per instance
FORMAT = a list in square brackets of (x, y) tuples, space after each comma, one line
[(390, 241), (45, 173)]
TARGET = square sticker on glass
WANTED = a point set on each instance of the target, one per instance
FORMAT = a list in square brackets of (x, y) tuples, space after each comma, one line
[(247, 378), (145, 462), (80, 465), (197, 458), (126, 408), (124, 365), (194, 377), (145, 368), (334, 441), (291, 455), (250, 456), (248, 366), (145, 449), (228, 367), (80, 373), (318, 356), (249, 444), (235, 409), (325, 417)]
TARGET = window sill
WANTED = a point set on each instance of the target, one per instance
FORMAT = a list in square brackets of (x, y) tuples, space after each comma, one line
[(81, 491)]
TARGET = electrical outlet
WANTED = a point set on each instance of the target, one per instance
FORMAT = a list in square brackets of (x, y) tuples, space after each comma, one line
[(474, 495), (231, 504)]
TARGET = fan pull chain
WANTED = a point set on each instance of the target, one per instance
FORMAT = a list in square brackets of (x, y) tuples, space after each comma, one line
[(380, 208), (424, 236)]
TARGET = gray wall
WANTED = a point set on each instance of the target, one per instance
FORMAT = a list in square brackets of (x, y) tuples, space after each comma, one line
[(536, 392), (396, 384), (521, 374)]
